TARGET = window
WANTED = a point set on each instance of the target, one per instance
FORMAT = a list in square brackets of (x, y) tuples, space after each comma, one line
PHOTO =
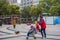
[(21, 4), (14, 1), (35, 1), (21, 1), (30, 2), (24, 0), (24, 3), (27, 2)]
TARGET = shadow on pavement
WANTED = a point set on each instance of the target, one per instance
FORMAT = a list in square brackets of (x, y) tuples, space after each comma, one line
[(5, 32)]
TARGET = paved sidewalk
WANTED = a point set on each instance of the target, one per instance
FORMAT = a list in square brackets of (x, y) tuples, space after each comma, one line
[(53, 33)]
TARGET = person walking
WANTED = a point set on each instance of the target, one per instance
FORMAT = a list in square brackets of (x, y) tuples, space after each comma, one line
[(43, 27), (14, 23)]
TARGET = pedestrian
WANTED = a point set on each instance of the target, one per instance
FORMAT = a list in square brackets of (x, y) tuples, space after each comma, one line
[(38, 28), (43, 27), (14, 23), (31, 32)]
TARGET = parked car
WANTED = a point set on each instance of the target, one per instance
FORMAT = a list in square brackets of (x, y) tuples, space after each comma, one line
[(7, 20)]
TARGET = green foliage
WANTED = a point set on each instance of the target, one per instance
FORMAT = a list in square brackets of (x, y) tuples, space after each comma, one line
[(6, 9), (3, 7), (31, 11), (35, 10), (50, 6), (13, 9), (26, 12)]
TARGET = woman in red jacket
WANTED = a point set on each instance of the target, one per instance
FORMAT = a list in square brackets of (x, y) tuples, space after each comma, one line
[(43, 27)]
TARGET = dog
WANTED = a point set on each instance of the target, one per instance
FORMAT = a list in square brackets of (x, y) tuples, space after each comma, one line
[(17, 32)]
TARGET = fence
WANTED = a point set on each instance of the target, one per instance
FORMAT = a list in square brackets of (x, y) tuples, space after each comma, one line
[(48, 19), (25, 20), (52, 19), (6, 19)]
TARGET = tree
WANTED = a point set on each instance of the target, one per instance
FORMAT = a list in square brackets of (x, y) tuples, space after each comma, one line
[(3, 6), (7, 9), (50, 6), (31, 11), (56, 10), (13, 9), (26, 11), (35, 10)]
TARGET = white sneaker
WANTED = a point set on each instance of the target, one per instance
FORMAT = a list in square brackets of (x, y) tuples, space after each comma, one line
[(44, 38)]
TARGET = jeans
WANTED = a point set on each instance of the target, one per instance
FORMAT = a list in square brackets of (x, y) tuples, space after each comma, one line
[(14, 26), (43, 33), (39, 30)]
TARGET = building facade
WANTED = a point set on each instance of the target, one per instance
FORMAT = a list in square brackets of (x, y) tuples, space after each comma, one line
[(13, 2), (28, 2), (23, 3)]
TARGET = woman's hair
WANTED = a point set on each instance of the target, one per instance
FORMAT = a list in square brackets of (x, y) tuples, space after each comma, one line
[(41, 16)]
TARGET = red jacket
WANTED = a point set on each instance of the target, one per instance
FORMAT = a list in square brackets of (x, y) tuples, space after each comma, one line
[(43, 24), (37, 27)]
